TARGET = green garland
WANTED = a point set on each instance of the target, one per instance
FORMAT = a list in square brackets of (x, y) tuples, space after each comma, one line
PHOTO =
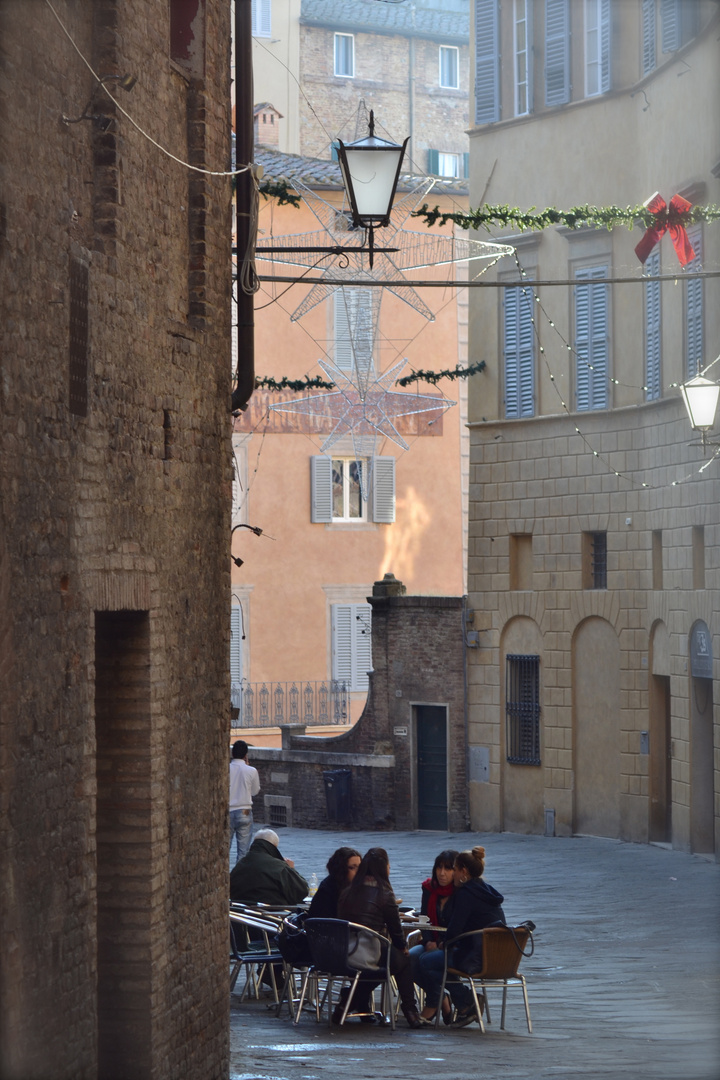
[(278, 189), (266, 382), (578, 216), (435, 376)]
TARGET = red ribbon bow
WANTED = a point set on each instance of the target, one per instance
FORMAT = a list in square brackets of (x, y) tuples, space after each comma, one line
[(664, 216)]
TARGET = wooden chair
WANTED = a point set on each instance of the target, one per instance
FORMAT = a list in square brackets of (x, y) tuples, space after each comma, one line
[(503, 947)]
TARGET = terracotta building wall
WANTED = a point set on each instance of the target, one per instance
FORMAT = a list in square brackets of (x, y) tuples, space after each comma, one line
[(114, 518)]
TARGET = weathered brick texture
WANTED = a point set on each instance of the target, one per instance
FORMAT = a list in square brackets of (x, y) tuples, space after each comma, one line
[(113, 550)]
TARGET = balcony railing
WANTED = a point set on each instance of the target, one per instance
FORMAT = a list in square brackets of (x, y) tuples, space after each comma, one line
[(273, 703)]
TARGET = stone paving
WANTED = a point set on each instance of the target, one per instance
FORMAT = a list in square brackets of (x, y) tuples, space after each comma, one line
[(625, 980)]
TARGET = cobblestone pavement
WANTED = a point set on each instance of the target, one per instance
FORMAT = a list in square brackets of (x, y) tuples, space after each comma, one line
[(625, 980)]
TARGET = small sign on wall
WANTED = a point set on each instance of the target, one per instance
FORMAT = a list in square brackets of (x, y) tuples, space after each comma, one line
[(400, 731)]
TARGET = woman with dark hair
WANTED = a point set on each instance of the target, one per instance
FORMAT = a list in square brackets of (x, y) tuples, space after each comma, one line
[(341, 867), (370, 901), (474, 906), (437, 891)]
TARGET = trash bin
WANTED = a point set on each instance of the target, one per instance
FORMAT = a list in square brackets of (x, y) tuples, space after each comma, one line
[(337, 794)]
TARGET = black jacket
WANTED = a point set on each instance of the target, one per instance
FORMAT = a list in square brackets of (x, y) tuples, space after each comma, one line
[(374, 905), (324, 904), (263, 877), (473, 906)]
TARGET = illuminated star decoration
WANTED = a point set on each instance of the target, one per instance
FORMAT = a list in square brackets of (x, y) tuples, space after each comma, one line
[(364, 413), (415, 250)]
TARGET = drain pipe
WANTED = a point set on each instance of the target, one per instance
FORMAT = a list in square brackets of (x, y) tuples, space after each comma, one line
[(244, 194), (466, 712)]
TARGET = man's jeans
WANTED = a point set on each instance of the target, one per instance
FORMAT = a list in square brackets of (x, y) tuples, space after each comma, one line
[(241, 823)]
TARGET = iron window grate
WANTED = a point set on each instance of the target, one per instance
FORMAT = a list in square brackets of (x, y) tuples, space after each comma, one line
[(598, 560), (522, 709)]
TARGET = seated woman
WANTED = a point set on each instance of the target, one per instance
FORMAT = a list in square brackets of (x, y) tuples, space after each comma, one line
[(437, 890), (370, 901), (474, 906), (341, 867)]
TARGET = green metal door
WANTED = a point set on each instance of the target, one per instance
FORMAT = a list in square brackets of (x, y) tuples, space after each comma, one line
[(431, 731)]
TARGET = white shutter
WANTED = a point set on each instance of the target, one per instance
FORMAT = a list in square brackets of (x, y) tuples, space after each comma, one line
[(383, 490), (487, 90), (519, 353), (605, 27), (648, 32), (557, 52), (670, 20), (362, 653), (652, 329), (353, 330), (591, 339), (261, 18), (320, 488), (694, 336), (236, 655)]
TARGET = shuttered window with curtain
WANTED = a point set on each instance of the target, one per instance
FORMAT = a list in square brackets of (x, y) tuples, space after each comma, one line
[(487, 62), (557, 52), (351, 628), (261, 18), (382, 489), (592, 344), (653, 335), (518, 352)]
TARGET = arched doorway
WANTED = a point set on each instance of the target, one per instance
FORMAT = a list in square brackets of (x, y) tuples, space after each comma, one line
[(596, 698)]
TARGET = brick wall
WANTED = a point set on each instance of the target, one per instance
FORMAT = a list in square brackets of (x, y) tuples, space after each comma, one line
[(417, 655), (113, 846)]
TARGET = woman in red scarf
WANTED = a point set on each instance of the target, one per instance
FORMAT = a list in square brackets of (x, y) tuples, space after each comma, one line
[(436, 891)]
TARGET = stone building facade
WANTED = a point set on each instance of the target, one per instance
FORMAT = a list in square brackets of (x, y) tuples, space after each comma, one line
[(594, 525), (115, 484)]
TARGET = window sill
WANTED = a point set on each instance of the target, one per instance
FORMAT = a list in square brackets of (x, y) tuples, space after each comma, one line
[(351, 526)]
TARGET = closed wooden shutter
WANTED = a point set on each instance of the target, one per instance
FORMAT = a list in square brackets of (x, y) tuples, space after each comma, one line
[(353, 330), (487, 62), (591, 339), (351, 630), (648, 36), (383, 490), (519, 353), (652, 329), (557, 52), (670, 23), (434, 162), (261, 18), (236, 654), (321, 488), (694, 336)]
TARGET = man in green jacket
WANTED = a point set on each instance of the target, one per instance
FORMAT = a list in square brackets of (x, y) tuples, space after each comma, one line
[(263, 876)]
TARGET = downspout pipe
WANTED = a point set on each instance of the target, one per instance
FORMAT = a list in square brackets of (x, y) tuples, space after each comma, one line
[(244, 153)]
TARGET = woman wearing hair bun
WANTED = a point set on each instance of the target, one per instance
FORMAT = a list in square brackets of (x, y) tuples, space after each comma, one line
[(474, 905)]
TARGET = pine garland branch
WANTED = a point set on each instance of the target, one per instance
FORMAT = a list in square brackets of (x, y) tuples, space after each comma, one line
[(435, 376), (266, 382), (578, 216)]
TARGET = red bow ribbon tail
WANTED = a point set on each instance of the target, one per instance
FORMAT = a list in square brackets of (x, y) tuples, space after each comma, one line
[(678, 233)]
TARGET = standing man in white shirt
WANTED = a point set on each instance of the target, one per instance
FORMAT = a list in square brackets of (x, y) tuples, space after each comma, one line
[(244, 783)]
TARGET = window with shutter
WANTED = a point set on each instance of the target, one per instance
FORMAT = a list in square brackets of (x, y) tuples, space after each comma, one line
[(591, 339), (321, 489), (557, 52), (487, 58), (523, 57), (519, 352), (236, 654), (597, 47), (652, 329), (261, 18), (679, 23), (354, 327), (351, 628), (383, 490), (648, 36), (694, 315)]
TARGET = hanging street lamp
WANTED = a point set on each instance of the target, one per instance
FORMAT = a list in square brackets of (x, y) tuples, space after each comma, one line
[(371, 169), (701, 397)]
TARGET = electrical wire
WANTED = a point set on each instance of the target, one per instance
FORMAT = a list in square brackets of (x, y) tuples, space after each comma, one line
[(126, 114)]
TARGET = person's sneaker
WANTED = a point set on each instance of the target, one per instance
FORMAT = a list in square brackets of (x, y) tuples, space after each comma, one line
[(465, 1017)]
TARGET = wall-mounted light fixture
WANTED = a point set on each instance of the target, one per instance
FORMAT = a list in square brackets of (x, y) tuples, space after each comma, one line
[(99, 120), (701, 397)]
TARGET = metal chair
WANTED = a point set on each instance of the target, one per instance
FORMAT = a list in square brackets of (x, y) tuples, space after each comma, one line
[(250, 948), (331, 944), (503, 947)]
